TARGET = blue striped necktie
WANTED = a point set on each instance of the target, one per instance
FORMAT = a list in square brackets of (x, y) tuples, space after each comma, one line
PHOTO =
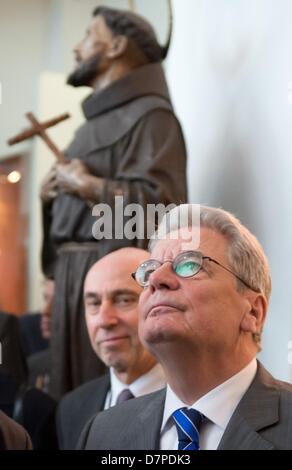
[(188, 423)]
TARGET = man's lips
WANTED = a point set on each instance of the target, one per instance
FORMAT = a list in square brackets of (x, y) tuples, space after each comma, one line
[(112, 339), (161, 308)]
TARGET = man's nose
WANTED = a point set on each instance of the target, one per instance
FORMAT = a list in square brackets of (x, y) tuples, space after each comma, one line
[(107, 316), (163, 278)]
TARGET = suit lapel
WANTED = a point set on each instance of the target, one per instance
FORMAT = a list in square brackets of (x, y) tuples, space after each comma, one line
[(145, 435), (100, 397), (258, 409)]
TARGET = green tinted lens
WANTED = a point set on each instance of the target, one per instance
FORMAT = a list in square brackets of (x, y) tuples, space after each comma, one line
[(187, 268), (188, 263), (145, 270)]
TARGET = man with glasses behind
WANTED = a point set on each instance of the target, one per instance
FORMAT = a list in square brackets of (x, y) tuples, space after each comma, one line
[(202, 313)]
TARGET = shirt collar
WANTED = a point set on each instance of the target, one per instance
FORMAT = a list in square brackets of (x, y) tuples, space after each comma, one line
[(150, 382), (219, 404), (143, 81)]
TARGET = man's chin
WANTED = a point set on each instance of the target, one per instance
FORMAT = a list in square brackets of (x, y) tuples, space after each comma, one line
[(158, 336), (117, 363), (159, 329)]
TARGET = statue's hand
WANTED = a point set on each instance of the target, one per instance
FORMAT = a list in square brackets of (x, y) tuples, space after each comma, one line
[(71, 177), (49, 186)]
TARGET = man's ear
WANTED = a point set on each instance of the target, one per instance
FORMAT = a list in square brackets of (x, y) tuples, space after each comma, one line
[(118, 47), (255, 314)]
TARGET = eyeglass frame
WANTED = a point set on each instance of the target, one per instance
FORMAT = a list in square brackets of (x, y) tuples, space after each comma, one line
[(192, 275)]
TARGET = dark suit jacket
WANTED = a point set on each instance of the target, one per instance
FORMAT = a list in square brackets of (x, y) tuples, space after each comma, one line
[(39, 368), (36, 411), (12, 435), (77, 407), (31, 335), (13, 368), (261, 421)]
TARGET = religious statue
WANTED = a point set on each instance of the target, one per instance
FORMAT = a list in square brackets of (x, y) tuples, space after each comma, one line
[(131, 145)]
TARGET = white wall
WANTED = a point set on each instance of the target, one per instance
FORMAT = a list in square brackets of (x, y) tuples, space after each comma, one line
[(229, 69)]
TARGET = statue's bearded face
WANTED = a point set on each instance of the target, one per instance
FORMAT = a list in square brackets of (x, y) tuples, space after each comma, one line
[(91, 54), (85, 73)]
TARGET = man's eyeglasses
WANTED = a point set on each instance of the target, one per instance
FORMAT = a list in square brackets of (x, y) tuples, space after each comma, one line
[(186, 264)]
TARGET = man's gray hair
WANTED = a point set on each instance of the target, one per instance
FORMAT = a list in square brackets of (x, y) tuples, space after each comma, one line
[(245, 254)]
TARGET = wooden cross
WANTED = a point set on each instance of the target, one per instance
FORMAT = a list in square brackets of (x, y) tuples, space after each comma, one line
[(40, 130)]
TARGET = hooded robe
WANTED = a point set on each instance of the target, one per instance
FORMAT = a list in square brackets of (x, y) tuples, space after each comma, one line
[(133, 140)]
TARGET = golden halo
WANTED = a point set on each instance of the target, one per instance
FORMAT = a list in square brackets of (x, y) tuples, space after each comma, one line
[(131, 5)]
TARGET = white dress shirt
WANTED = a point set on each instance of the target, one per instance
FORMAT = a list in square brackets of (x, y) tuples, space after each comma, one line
[(151, 382), (217, 405)]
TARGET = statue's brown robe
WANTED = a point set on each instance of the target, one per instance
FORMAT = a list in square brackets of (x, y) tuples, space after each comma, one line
[(133, 140)]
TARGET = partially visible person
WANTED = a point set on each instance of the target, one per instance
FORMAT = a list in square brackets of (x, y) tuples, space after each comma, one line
[(12, 435), (47, 308), (34, 409), (39, 364), (202, 313), (111, 306), (13, 365), (35, 327), (31, 336)]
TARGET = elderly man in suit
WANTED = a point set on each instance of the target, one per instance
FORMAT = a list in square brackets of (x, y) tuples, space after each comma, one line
[(111, 307), (202, 312), (12, 435)]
